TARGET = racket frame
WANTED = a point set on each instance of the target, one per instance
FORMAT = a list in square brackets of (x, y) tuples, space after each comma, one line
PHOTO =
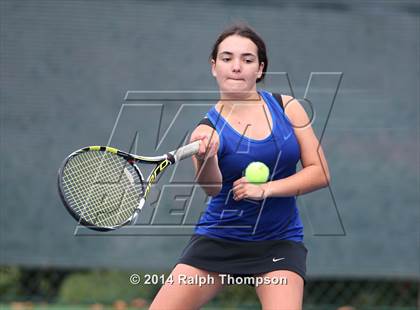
[(162, 162)]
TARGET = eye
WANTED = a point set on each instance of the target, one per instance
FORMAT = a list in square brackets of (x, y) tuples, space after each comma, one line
[(249, 60), (225, 59)]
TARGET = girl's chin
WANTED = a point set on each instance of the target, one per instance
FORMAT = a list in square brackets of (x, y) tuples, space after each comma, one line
[(237, 89), (239, 93)]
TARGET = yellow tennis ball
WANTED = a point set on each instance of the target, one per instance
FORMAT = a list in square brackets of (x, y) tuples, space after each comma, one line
[(257, 172)]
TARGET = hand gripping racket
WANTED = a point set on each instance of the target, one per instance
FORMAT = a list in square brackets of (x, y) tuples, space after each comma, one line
[(104, 189)]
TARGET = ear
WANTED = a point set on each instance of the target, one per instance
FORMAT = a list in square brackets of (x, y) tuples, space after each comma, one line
[(213, 65), (260, 70)]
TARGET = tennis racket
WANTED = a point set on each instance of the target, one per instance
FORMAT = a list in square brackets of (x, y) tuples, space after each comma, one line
[(103, 187)]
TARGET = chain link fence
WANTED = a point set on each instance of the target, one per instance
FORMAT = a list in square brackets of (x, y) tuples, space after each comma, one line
[(25, 288)]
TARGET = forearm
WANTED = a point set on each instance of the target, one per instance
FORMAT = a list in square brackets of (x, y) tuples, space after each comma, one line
[(208, 175), (306, 180)]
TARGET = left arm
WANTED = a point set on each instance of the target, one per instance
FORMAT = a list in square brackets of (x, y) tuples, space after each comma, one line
[(314, 174)]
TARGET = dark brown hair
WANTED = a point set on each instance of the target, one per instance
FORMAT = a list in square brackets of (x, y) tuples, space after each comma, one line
[(245, 31)]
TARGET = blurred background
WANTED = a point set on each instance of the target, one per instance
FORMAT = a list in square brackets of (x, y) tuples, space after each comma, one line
[(77, 73)]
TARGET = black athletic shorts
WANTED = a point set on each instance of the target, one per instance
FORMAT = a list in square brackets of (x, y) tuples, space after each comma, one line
[(244, 258)]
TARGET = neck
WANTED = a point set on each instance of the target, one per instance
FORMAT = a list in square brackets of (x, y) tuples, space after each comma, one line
[(231, 102)]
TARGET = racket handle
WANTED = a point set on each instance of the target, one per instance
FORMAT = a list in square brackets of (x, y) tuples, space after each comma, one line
[(186, 151)]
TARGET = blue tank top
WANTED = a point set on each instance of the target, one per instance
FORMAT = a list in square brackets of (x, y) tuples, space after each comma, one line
[(270, 219)]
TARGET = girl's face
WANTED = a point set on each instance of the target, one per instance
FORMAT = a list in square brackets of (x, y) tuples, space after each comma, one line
[(236, 67)]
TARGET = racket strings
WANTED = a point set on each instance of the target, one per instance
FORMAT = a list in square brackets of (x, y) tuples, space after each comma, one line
[(106, 193), (102, 187), (113, 203)]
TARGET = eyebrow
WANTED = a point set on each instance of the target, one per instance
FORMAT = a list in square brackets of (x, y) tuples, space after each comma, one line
[(244, 54)]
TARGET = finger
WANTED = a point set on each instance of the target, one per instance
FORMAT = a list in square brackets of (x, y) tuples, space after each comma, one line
[(262, 193), (240, 192), (203, 145), (213, 145), (242, 180), (202, 148), (197, 137), (215, 148), (194, 138), (210, 149), (237, 188), (237, 197), (235, 191)]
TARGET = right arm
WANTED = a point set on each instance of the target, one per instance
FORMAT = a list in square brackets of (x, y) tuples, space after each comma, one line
[(207, 172)]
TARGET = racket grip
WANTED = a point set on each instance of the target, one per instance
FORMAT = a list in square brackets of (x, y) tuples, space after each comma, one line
[(186, 151)]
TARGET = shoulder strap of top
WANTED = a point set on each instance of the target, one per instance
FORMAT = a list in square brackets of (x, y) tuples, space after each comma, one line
[(279, 100), (206, 121)]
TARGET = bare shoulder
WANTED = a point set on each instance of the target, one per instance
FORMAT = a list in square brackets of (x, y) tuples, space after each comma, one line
[(310, 147), (295, 112)]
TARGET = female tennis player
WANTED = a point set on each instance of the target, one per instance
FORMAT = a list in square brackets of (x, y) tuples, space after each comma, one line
[(250, 231)]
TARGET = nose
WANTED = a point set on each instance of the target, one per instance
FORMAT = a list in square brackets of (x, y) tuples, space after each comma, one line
[(236, 65)]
